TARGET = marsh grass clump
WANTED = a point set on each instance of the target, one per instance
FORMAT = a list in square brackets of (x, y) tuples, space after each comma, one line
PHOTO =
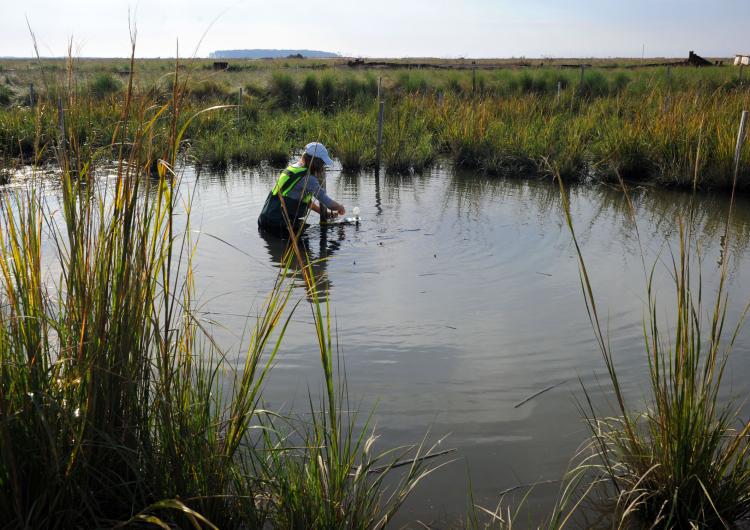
[(412, 83), (683, 462), (358, 92), (352, 139), (310, 92), (409, 142), (594, 85), (209, 92), (19, 134), (6, 95), (619, 82), (104, 85), (283, 89)]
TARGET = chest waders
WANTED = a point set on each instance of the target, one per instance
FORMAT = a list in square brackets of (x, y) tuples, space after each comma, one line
[(272, 215)]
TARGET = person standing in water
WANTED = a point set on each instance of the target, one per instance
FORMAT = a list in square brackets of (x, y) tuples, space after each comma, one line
[(295, 189)]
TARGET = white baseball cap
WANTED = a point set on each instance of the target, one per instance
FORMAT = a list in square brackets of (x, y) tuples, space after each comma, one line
[(318, 150)]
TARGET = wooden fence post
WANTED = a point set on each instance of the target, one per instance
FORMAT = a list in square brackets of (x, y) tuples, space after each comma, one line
[(381, 111)]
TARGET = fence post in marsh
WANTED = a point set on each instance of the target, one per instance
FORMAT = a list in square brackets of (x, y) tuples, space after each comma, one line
[(239, 106), (378, 152), (559, 90), (740, 143), (31, 94)]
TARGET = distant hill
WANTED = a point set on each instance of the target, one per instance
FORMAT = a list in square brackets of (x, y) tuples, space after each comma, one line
[(269, 54)]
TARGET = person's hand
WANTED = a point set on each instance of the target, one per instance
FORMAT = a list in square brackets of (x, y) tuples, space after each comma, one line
[(341, 210)]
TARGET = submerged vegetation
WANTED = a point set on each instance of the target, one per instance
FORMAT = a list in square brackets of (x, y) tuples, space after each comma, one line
[(671, 126)]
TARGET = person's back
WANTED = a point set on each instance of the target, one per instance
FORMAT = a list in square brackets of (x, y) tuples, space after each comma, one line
[(280, 209), (288, 203)]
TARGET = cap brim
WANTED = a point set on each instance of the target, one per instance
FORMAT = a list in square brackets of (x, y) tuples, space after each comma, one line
[(312, 150)]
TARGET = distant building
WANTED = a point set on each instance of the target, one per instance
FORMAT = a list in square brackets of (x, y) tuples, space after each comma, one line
[(742, 60)]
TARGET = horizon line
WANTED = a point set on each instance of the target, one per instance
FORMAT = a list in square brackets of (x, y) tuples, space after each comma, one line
[(402, 57)]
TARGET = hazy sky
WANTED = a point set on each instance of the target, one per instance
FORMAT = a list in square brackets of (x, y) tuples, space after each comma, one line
[(392, 28)]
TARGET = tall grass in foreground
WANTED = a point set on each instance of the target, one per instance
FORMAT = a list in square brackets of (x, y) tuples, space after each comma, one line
[(110, 402), (684, 461), (336, 480), (117, 408)]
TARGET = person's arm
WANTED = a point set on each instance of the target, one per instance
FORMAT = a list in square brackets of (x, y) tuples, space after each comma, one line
[(314, 187), (335, 207)]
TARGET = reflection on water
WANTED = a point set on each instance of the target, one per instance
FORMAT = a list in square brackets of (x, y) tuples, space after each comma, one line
[(456, 298), (318, 243)]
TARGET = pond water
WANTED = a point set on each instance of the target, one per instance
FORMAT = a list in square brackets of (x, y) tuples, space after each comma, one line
[(457, 297)]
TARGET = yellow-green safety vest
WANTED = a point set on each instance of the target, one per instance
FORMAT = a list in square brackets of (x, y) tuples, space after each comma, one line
[(289, 179)]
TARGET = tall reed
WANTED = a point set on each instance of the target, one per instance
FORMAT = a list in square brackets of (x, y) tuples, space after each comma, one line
[(324, 471)]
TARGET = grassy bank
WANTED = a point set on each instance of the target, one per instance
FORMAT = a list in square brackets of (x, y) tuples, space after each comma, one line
[(666, 126)]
